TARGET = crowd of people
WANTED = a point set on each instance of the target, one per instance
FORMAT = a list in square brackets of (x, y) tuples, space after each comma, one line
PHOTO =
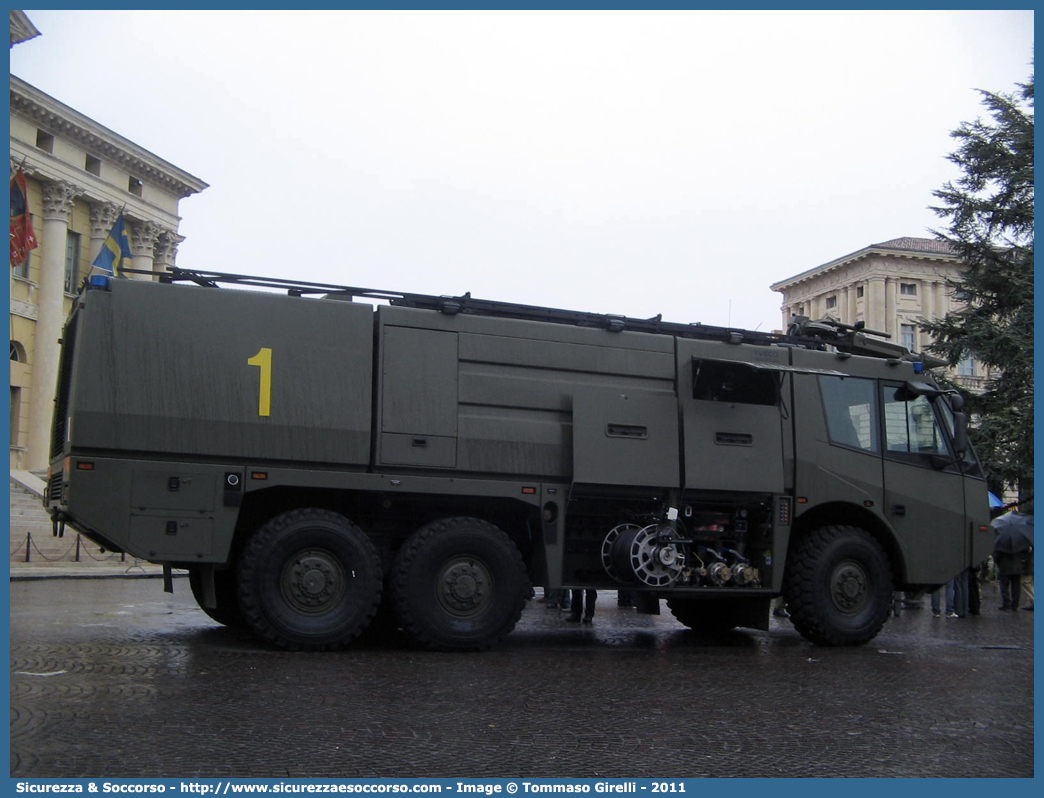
[(581, 603), (1010, 566), (1011, 572)]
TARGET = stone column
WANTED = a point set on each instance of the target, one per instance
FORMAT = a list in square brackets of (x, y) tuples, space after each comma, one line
[(166, 250), (875, 303), (103, 217), (892, 307), (844, 312), (143, 238), (942, 299), (58, 200)]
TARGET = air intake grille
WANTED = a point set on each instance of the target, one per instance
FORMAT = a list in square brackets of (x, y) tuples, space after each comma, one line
[(54, 488)]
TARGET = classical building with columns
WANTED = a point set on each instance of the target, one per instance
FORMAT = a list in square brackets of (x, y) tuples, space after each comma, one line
[(891, 287), (80, 175)]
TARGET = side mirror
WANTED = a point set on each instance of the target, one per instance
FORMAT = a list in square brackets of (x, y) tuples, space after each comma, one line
[(911, 390), (960, 431)]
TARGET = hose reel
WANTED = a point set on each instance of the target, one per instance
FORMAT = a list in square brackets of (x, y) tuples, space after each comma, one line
[(650, 555)]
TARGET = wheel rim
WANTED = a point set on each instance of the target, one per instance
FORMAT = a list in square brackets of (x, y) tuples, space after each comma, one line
[(849, 587), (313, 581), (464, 586)]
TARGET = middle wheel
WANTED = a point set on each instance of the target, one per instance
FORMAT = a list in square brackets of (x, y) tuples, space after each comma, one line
[(309, 579), (459, 584)]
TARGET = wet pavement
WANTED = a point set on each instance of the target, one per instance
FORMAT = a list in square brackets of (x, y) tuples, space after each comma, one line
[(114, 678)]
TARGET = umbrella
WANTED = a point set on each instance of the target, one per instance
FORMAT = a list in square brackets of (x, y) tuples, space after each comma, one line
[(994, 501), (1014, 532)]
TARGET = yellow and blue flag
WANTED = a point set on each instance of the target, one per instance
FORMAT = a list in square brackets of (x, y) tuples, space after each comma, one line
[(115, 252)]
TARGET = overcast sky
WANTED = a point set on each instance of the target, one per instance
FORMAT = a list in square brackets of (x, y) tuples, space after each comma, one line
[(624, 162)]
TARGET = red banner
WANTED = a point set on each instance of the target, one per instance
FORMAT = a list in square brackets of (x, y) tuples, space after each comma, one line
[(22, 237)]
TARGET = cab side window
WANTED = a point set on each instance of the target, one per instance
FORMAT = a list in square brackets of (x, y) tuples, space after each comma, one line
[(850, 412), (969, 462), (911, 429)]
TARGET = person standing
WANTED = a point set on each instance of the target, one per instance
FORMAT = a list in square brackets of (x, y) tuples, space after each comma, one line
[(557, 599), (1027, 578), (579, 605), (960, 596), (950, 589), (1009, 576), (974, 596)]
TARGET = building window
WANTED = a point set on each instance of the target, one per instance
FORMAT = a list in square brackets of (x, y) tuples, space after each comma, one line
[(134, 186), (966, 368), (72, 262), (908, 289), (831, 302), (93, 165), (45, 141), (908, 333), (859, 292)]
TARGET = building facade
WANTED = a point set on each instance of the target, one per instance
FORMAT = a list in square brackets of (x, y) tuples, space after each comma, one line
[(80, 176), (891, 287)]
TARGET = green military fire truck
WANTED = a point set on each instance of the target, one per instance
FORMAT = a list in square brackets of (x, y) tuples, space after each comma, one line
[(326, 459)]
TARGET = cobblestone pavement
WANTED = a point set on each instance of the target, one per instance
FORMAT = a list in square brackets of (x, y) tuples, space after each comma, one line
[(114, 678)]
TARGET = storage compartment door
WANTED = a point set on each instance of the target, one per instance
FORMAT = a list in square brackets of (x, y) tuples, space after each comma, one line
[(733, 427), (625, 438), (418, 397)]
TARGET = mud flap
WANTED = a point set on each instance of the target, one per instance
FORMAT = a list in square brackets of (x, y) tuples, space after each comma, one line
[(647, 603)]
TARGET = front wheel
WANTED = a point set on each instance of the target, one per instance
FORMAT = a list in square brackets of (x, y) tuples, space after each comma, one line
[(459, 584), (838, 586), (309, 580)]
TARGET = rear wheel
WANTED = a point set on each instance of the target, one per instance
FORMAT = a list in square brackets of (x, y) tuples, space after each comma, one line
[(838, 586), (459, 584), (309, 580)]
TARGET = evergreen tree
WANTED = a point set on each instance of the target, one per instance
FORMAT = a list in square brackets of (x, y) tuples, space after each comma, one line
[(989, 209)]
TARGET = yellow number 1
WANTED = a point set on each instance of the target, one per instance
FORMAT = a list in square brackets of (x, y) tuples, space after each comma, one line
[(263, 360)]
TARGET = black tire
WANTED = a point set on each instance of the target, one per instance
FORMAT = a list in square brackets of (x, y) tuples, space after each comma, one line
[(309, 580), (459, 584), (706, 617), (227, 610), (838, 586)]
